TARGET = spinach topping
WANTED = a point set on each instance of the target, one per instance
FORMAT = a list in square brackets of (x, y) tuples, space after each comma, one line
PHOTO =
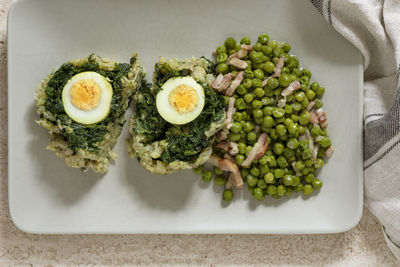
[(85, 136), (185, 142)]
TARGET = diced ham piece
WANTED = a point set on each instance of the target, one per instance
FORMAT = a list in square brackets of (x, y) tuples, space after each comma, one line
[(319, 111), (242, 53), (230, 147), (234, 55), (282, 102), (329, 151), (235, 84), (229, 183), (324, 124), (229, 166), (310, 105), (238, 63), (230, 112), (216, 84), (278, 67), (223, 134), (246, 47), (315, 152), (297, 171), (264, 83), (293, 86), (313, 118), (310, 140), (258, 150), (322, 117), (225, 82)]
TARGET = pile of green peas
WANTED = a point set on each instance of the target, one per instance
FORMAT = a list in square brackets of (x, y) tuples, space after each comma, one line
[(256, 108)]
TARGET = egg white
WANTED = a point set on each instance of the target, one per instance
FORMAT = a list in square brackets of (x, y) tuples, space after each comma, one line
[(168, 112), (97, 114)]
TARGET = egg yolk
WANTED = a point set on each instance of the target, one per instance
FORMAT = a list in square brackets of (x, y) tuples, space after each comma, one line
[(183, 98), (85, 94)]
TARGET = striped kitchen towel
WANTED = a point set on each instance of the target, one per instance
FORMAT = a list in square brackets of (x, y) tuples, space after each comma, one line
[(373, 26)]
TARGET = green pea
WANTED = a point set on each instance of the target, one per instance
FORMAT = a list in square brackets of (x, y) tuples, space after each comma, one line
[(301, 129), (293, 77), (258, 113), (305, 72), (282, 162), (318, 103), (239, 158), (248, 73), (268, 110), (304, 79), (325, 142), (310, 94), (297, 106), (248, 126), (256, 104), (278, 148), (251, 180), (314, 86), (320, 91), (242, 148), (257, 47), (251, 136), (266, 50), (278, 52), (318, 163), (267, 122), (288, 180), (220, 180), (273, 44), (317, 184), (227, 195), (264, 168), (292, 128), (258, 120), (273, 83), (285, 70), (257, 82), (271, 190), (284, 80), (222, 57), (207, 176), (269, 67), (300, 96), (217, 171), (281, 190), (198, 170), (247, 83), (265, 100), (234, 137), (288, 109), (295, 118), (309, 178), (248, 97), (306, 154), (223, 68), (241, 90), (286, 47), (261, 184), (292, 143), (269, 178), (304, 117), (278, 112), (256, 57), (296, 181), (307, 189), (240, 104), (300, 165), (237, 116), (255, 171), (280, 129), (230, 43), (258, 193), (263, 38), (259, 74), (309, 162), (221, 49), (245, 40)]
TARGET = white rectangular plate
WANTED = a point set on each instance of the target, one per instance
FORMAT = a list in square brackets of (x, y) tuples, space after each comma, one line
[(46, 196)]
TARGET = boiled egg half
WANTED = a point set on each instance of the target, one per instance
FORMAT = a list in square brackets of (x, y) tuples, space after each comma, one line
[(87, 97), (180, 100)]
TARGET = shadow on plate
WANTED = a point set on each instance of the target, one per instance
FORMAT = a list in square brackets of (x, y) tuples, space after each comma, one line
[(67, 185), (165, 192)]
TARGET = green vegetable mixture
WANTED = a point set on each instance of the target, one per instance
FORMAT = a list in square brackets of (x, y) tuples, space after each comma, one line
[(288, 165)]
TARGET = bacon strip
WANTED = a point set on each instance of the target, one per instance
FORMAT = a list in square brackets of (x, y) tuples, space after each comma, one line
[(297, 171), (242, 53), (225, 82), (324, 124), (229, 183), (246, 47), (238, 63), (329, 151), (313, 118), (229, 166), (293, 86), (315, 152), (310, 105), (230, 147), (278, 67), (258, 150), (310, 140), (235, 84), (234, 55), (282, 102), (265, 82), (230, 112), (223, 134), (216, 84)]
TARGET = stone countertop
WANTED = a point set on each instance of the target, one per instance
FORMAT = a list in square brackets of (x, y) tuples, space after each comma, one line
[(362, 246)]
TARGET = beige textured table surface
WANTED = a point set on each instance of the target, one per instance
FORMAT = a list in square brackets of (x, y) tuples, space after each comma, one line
[(362, 246)]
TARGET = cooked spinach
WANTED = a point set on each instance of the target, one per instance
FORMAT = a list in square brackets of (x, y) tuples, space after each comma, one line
[(84, 136)]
